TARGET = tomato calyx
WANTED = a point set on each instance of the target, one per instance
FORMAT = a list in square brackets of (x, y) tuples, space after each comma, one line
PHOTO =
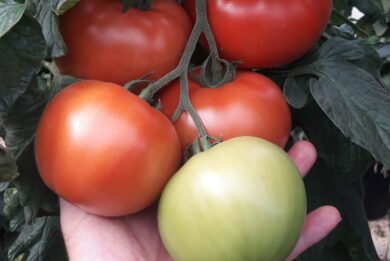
[(131, 85), (142, 5), (214, 72), (200, 144)]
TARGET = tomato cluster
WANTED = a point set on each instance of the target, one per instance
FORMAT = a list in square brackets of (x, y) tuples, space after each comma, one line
[(109, 152)]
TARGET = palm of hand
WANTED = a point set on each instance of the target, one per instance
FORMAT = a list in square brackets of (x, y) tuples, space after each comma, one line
[(136, 237)]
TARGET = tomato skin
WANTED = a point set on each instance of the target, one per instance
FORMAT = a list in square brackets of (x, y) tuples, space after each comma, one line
[(104, 149), (108, 45), (241, 200), (250, 105), (265, 33)]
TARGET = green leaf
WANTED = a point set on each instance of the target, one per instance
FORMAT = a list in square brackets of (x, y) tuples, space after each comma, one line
[(383, 50), (17, 220), (8, 168), (61, 6), (34, 195), (354, 211), (21, 121), (334, 181), (21, 51), (36, 239), (3, 186), (43, 12), (10, 13), (138, 4), (296, 91), (356, 103), (372, 7), (341, 48)]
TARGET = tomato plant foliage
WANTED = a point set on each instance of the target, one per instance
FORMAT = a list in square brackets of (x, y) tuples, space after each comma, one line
[(339, 94)]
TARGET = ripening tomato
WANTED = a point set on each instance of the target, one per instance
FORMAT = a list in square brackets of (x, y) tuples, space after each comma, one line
[(250, 105), (104, 149), (241, 200), (265, 33), (106, 44)]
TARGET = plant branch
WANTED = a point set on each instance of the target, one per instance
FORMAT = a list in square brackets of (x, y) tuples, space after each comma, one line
[(181, 71)]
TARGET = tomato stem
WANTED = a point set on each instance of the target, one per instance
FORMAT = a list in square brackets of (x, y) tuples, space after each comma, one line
[(181, 71)]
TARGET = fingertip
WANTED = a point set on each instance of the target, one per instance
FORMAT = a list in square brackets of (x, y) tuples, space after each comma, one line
[(304, 154)]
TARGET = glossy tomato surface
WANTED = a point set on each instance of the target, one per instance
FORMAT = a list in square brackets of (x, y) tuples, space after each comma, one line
[(106, 44), (104, 149), (241, 200), (250, 105), (265, 33)]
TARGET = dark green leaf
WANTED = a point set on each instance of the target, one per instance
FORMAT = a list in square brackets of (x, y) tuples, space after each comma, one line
[(42, 11), (356, 103), (17, 220), (10, 13), (340, 48), (383, 50), (344, 31), (332, 181), (21, 52), (61, 6), (337, 151), (296, 91), (21, 121), (354, 212), (36, 239), (372, 7), (3, 186), (8, 168), (33, 192), (138, 4)]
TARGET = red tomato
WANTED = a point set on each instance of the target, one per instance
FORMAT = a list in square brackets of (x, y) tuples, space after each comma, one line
[(250, 105), (106, 44), (266, 33), (104, 149)]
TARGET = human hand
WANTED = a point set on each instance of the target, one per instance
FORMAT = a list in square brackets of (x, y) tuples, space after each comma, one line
[(136, 237)]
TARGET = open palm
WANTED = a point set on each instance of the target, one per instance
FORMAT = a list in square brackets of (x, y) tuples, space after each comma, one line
[(136, 237)]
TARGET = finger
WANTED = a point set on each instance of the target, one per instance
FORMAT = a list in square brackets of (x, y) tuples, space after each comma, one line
[(304, 154), (318, 224)]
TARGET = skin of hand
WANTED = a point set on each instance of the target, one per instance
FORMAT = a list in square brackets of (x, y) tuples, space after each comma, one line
[(135, 237)]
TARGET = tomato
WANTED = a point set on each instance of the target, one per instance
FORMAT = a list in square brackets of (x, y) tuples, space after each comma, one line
[(104, 149), (250, 105), (106, 44), (265, 33), (241, 200)]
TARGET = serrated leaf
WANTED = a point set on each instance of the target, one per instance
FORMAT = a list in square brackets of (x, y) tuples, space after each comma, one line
[(8, 168), (43, 12), (356, 103), (10, 13), (21, 51), (36, 239), (61, 6)]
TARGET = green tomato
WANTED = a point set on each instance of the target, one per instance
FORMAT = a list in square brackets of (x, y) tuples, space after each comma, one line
[(243, 199)]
